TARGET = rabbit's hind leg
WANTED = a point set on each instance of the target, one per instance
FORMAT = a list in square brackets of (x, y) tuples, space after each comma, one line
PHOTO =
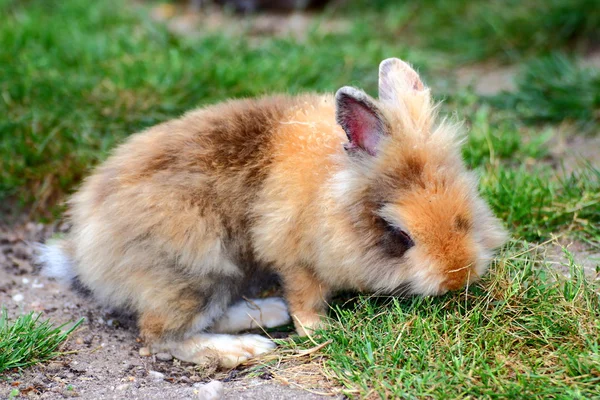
[(180, 329)]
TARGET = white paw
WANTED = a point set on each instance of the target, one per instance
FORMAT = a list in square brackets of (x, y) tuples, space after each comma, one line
[(234, 350), (266, 313), (244, 348), (273, 312), (229, 350)]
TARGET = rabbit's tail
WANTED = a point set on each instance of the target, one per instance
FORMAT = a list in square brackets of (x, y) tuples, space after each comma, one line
[(56, 261)]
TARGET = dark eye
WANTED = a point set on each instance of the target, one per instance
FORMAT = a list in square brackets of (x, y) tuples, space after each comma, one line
[(394, 241), (400, 235)]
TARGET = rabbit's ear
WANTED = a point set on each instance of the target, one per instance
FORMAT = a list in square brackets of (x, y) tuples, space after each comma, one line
[(360, 118), (396, 78)]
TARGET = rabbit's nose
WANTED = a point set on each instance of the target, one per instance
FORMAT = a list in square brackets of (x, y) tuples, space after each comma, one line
[(453, 284), (458, 278)]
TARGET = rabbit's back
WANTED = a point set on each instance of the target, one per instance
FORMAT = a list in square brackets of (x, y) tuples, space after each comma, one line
[(173, 203)]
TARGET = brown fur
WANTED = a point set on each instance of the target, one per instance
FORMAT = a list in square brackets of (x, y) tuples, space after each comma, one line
[(178, 219), (306, 296)]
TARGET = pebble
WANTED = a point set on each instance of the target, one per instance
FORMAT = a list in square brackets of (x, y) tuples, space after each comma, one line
[(38, 382), (70, 305), (212, 390), (37, 306), (79, 367), (64, 227), (54, 367), (155, 375), (17, 298), (144, 352), (37, 285), (123, 386), (163, 356), (22, 251)]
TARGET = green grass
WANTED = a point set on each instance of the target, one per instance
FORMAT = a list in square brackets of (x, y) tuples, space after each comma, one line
[(533, 200), (555, 89), (538, 203), (498, 137), (27, 340), (84, 76), (507, 30), (524, 332)]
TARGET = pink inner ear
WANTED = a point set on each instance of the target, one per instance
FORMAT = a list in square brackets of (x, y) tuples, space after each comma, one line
[(363, 127)]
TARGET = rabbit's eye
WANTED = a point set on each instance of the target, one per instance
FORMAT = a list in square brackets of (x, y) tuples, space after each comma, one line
[(394, 241), (400, 236)]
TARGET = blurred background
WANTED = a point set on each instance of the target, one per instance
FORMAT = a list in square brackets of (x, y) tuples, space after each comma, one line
[(77, 77)]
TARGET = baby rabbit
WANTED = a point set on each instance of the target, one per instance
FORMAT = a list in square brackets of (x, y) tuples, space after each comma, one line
[(329, 192)]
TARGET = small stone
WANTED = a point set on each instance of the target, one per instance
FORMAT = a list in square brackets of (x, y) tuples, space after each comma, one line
[(123, 386), (21, 251), (79, 340), (266, 375), (37, 306), (79, 367), (144, 352), (54, 367), (212, 390), (17, 298), (156, 376), (25, 281), (64, 227), (164, 357), (36, 284), (38, 382)]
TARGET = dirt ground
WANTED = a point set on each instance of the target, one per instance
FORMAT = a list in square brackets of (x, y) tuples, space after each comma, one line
[(105, 361)]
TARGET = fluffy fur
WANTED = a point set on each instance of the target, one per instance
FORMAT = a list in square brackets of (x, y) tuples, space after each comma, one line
[(344, 192)]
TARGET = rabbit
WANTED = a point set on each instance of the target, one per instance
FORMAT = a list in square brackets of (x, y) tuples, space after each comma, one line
[(343, 192)]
